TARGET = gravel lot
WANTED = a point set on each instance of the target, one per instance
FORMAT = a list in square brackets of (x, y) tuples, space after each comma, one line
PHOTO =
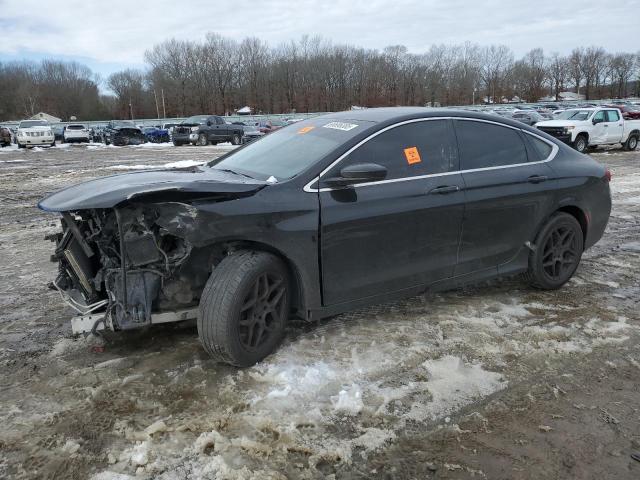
[(497, 381)]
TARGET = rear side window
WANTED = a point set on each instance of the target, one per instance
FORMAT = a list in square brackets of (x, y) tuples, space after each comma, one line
[(612, 116), (413, 149), (485, 145), (537, 149)]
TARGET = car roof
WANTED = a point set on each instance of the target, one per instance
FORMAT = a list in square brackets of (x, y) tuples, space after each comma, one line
[(398, 114)]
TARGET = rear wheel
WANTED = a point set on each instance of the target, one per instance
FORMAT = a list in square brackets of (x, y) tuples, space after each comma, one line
[(244, 308), (581, 143), (177, 143), (631, 143), (559, 247)]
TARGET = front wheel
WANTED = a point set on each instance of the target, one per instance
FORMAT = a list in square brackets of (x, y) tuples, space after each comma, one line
[(202, 140), (244, 308), (581, 144), (558, 251), (236, 139), (631, 143)]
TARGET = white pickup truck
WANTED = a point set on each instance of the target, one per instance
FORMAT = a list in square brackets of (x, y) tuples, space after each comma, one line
[(590, 127)]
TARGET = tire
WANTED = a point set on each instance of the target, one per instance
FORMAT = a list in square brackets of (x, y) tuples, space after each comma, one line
[(581, 143), (53, 144), (20, 145), (177, 144), (246, 291), (559, 247), (236, 139), (631, 143), (202, 140)]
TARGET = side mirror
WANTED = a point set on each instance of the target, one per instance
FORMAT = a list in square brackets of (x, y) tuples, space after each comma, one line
[(357, 173), (597, 121)]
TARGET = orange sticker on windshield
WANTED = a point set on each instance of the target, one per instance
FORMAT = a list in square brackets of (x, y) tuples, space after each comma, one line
[(305, 129), (412, 155)]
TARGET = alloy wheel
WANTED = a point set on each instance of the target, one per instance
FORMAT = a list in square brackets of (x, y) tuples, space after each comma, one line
[(560, 252), (263, 308)]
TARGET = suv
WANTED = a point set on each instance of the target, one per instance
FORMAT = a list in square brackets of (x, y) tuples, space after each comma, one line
[(75, 133), (122, 132), (34, 132), (206, 129)]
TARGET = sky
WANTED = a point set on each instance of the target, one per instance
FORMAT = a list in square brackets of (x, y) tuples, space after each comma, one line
[(114, 34)]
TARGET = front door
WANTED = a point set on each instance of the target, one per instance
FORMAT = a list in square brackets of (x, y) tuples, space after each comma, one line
[(600, 128), (400, 232)]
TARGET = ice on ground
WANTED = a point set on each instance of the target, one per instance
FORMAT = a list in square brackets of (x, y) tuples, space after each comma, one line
[(348, 400), (454, 384)]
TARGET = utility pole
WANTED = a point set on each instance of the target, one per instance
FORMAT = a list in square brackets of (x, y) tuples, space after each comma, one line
[(130, 108), (164, 112), (155, 97)]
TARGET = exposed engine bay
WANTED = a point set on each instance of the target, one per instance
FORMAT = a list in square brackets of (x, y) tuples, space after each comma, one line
[(130, 262)]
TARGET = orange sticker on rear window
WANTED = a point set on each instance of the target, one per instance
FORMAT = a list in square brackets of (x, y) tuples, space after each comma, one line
[(305, 129), (412, 155)]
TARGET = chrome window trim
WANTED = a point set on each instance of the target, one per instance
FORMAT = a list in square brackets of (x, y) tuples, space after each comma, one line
[(309, 188)]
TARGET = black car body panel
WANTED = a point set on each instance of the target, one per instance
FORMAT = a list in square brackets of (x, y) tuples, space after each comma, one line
[(344, 246)]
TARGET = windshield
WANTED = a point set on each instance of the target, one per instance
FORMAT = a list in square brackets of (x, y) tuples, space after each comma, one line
[(575, 115), (289, 151), (201, 119), (33, 123)]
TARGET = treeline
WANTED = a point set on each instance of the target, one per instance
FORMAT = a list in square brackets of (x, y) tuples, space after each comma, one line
[(220, 75), (63, 89)]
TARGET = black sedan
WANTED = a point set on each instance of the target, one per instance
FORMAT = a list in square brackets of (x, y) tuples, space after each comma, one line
[(327, 215)]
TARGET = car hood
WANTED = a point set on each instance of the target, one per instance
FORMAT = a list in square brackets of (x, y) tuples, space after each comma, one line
[(108, 192), (35, 129), (560, 123)]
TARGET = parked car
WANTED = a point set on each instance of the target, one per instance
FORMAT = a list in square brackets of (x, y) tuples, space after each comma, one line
[(206, 129), (251, 133), (156, 135), (5, 136), (528, 117), (591, 127), (58, 132), (75, 132), (122, 132), (629, 112), (269, 126), (33, 133), (335, 213)]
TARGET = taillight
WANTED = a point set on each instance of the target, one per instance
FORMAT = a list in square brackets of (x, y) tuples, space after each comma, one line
[(607, 175)]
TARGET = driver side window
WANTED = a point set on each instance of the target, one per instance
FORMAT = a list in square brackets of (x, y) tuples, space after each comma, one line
[(412, 149), (599, 117)]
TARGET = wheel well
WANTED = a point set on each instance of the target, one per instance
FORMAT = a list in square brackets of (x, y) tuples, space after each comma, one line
[(297, 287), (583, 134), (579, 215), (635, 132)]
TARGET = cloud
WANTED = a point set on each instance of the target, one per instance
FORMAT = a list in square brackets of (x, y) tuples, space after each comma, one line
[(119, 32)]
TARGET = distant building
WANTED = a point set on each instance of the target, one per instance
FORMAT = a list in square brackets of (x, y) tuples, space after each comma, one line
[(244, 111), (563, 97), (46, 116)]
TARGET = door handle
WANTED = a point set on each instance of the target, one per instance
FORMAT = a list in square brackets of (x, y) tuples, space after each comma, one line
[(537, 178), (605, 126), (445, 189)]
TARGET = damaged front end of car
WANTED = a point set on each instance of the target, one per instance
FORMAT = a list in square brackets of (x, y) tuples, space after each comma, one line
[(146, 258)]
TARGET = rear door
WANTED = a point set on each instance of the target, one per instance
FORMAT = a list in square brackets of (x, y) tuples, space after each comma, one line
[(614, 126), (505, 192), (400, 232)]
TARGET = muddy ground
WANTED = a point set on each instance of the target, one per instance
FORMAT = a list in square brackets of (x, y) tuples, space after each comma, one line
[(497, 381)]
